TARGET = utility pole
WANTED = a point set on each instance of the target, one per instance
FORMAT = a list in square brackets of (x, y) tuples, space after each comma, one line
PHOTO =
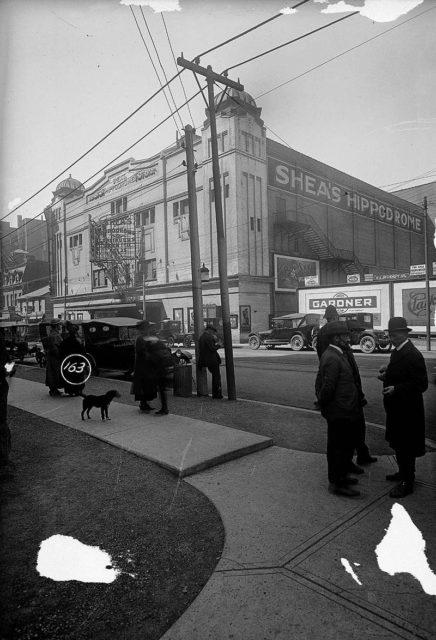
[(427, 282), (197, 299), (212, 77), (64, 206)]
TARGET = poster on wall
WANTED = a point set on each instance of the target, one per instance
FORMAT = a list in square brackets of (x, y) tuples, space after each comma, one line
[(415, 307), (245, 317), (290, 272)]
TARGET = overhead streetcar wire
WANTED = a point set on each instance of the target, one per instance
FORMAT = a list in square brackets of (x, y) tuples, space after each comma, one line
[(285, 44), (175, 63), (161, 65), (339, 55), (135, 111), (154, 67)]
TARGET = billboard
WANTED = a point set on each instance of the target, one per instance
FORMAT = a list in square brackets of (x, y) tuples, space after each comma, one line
[(414, 303), (290, 272)]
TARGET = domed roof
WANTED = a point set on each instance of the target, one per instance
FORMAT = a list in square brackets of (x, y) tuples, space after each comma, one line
[(71, 184), (242, 97)]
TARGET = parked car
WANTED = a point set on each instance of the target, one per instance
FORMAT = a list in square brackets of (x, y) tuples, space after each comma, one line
[(22, 340), (295, 329), (109, 342), (170, 331), (367, 338)]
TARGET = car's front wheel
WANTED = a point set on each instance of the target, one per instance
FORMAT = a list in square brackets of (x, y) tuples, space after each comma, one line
[(367, 344), (254, 342), (187, 342), (297, 342)]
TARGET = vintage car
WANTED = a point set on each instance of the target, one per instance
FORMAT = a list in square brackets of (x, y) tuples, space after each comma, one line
[(366, 337), (22, 339), (170, 331), (295, 329), (109, 342)]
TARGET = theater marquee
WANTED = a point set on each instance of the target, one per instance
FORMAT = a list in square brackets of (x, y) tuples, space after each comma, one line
[(302, 182)]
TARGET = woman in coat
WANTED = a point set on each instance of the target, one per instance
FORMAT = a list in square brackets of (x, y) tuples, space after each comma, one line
[(144, 385), (69, 345), (53, 378)]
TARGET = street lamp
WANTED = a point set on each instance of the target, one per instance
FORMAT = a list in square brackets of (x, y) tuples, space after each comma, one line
[(204, 274)]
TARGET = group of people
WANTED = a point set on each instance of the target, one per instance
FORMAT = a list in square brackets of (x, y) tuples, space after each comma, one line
[(57, 348), (341, 400)]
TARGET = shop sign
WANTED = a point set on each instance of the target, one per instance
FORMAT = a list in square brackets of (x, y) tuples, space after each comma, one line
[(417, 269), (415, 306), (119, 182), (299, 181), (344, 303), (353, 277), (311, 281)]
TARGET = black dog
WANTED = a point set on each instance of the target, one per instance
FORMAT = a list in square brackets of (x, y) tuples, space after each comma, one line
[(99, 401)]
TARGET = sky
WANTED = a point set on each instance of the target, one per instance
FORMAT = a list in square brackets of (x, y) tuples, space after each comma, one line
[(71, 71)]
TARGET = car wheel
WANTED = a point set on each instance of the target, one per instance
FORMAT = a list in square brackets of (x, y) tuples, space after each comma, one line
[(387, 348), (170, 342), (94, 369), (314, 342), (254, 342), (297, 342), (187, 342), (367, 344), (270, 346)]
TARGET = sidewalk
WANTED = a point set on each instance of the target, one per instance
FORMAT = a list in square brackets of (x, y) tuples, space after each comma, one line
[(280, 575)]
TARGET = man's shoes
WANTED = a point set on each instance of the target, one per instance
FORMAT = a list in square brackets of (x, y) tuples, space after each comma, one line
[(161, 412), (342, 490), (402, 490), (348, 481), (394, 477), (365, 460), (353, 468)]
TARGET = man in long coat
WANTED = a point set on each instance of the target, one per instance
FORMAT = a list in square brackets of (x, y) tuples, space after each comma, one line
[(209, 357), (404, 381), (340, 402)]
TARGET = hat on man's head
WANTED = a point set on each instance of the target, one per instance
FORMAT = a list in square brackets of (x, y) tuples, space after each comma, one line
[(211, 327), (55, 322), (337, 328), (330, 312), (144, 324), (398, 324)]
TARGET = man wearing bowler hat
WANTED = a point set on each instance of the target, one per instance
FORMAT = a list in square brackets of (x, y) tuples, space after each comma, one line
[(340, 402), (404, 381)]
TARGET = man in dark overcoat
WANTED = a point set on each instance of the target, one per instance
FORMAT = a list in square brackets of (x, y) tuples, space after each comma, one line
[(340, 403), (404, 381), (209, 357)]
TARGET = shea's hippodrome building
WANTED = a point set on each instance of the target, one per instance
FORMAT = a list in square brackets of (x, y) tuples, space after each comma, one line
[(290, 222)]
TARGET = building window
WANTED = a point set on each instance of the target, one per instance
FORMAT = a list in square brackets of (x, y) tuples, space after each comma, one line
[(76, 241), (119, 206), (144, 218), (99, 278), (180, 208), (222, 143), (258, 224), (147, 268), (252, 224)]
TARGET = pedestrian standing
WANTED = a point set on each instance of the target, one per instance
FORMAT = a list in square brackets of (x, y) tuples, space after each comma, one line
[(363, 455), (404, 382), (322, 340), (71, 344), (340, 404), (53, 378), (144, 386), (209, 357), (6, 466)]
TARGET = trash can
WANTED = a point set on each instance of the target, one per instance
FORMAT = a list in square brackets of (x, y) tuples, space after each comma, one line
[(182, 382)]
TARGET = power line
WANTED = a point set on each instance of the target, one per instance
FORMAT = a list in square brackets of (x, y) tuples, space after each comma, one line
[(141, 106), (341, 54), (175, 63), (161, 65), (154, 66), (243, 33), (285, 44)]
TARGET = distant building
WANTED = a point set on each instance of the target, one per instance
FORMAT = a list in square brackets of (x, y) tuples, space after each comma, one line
[(290, 220)]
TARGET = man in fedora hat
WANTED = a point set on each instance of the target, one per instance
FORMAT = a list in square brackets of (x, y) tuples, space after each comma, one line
[(404, 381), (340, 402)]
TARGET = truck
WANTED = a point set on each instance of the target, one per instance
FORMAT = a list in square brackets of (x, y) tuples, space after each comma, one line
[(407, 298)]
